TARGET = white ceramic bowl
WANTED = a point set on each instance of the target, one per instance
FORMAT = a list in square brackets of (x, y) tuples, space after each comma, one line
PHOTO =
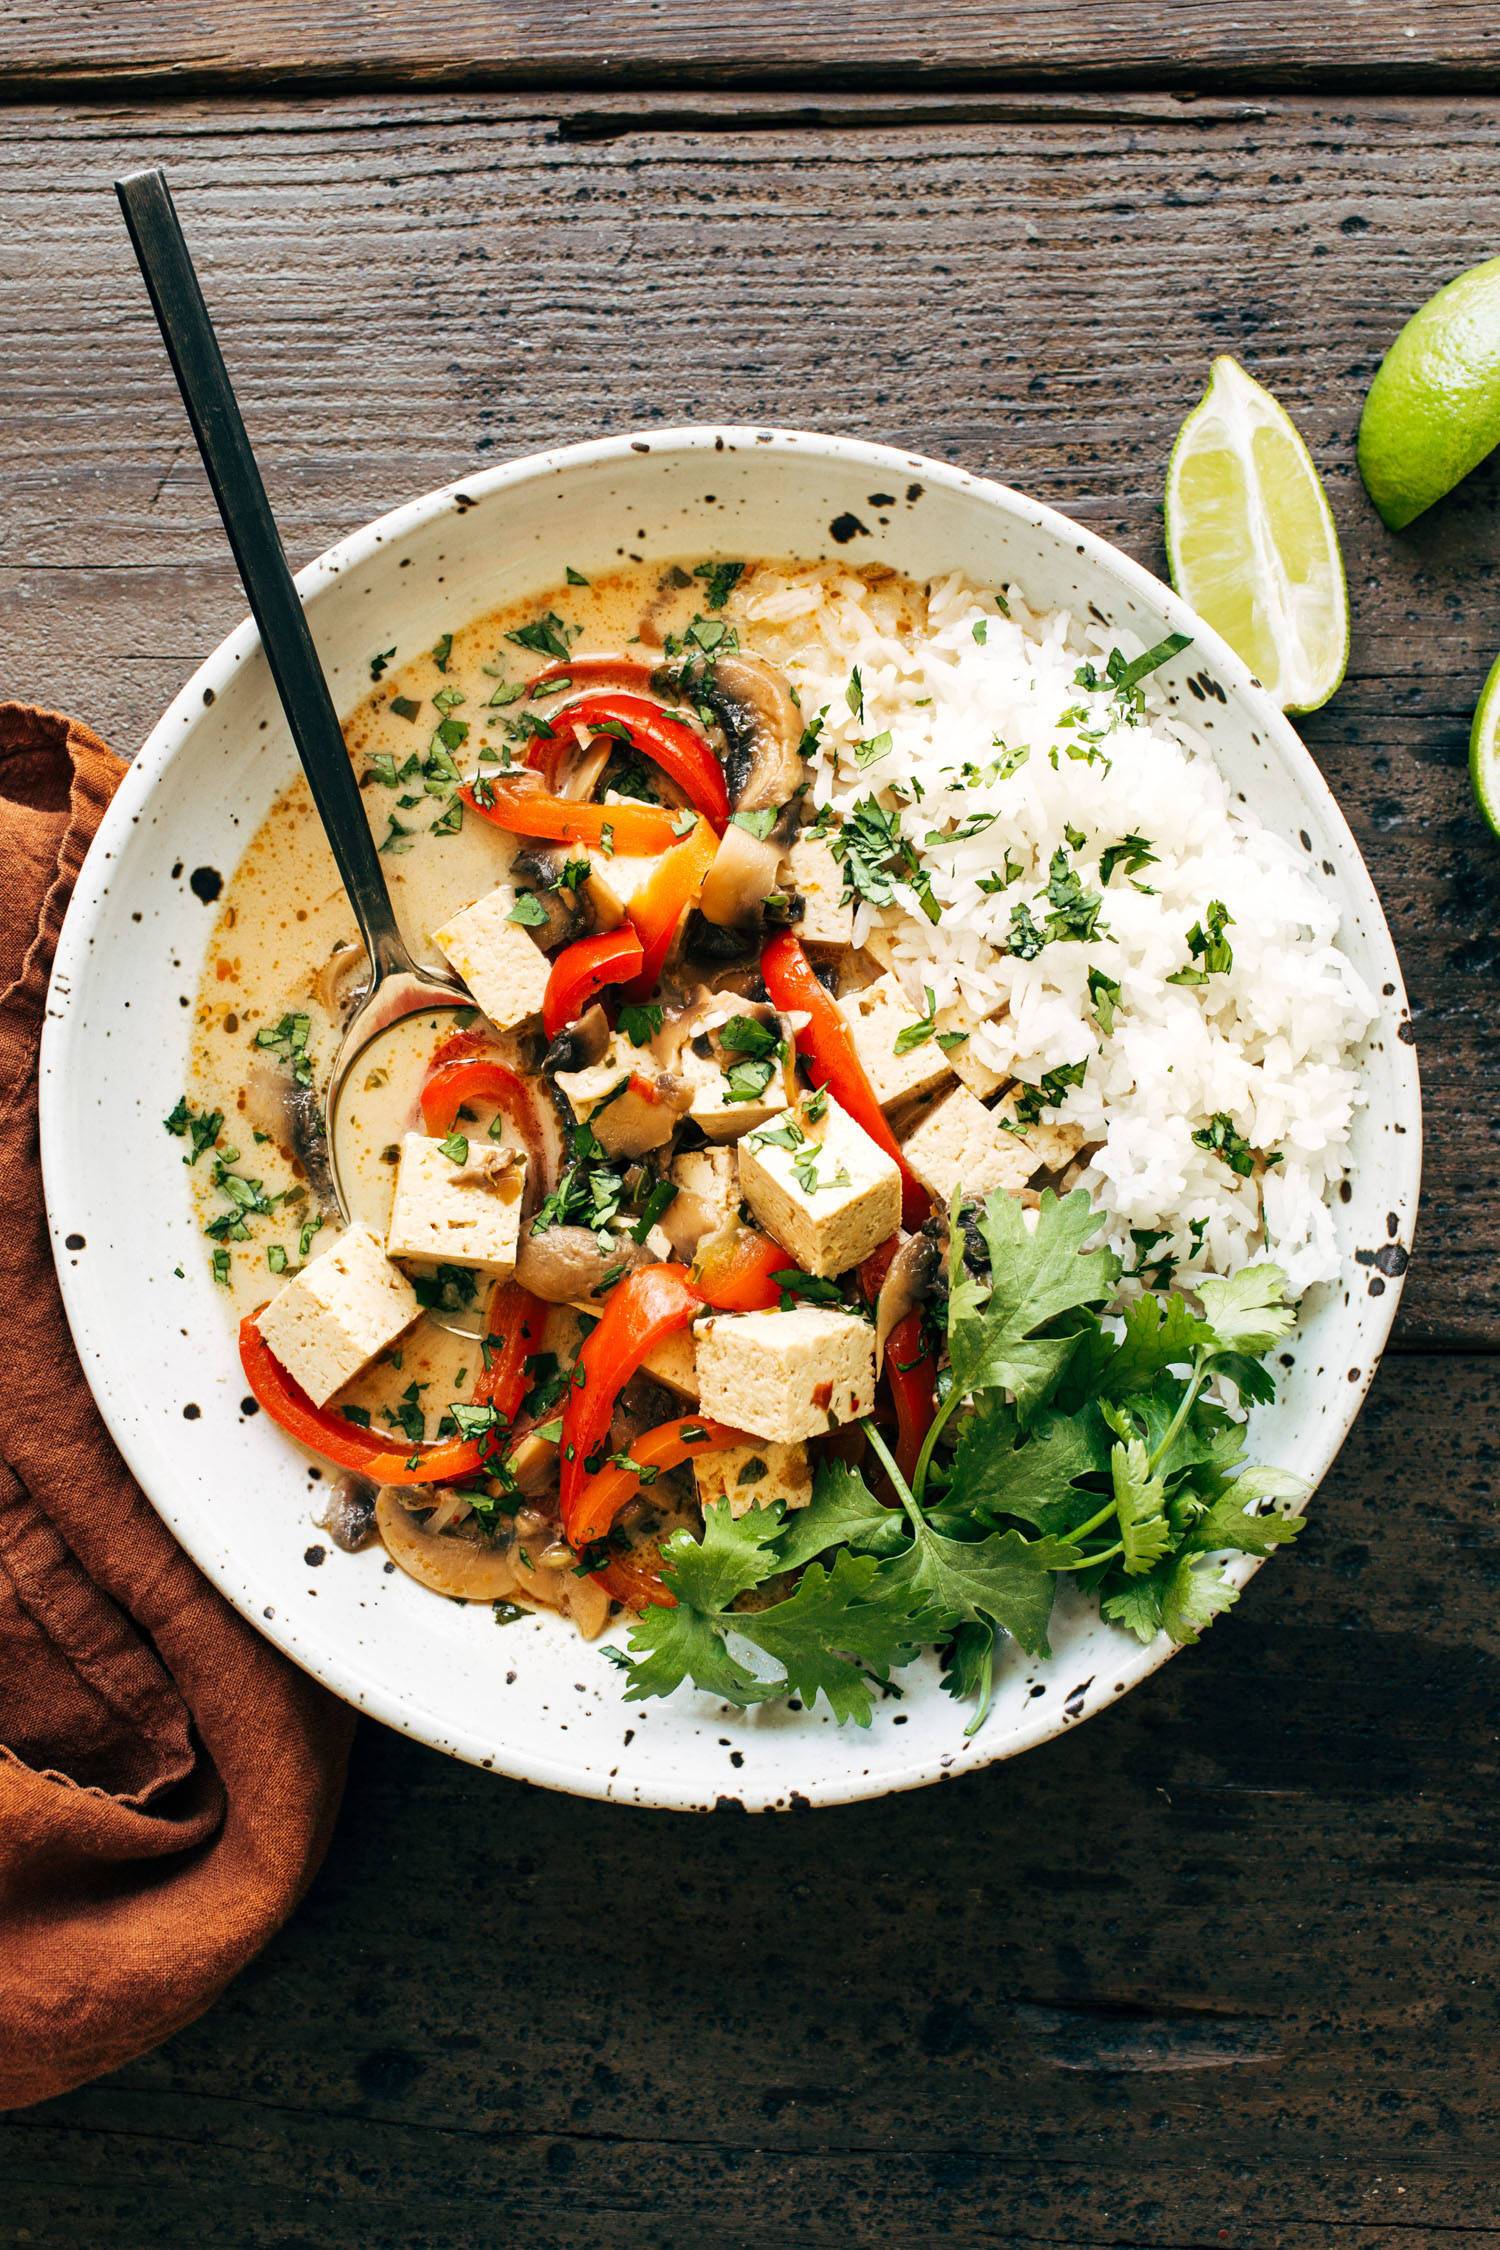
[(532, 1700)]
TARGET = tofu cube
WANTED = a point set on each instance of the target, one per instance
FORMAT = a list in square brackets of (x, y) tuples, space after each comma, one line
[(674, 1363), (786, 1375), (707, 1181), (877, 1017), (497, 959), (968, 1065), (714, 1106), (466, 1214), (960, 1146), (345, 1305), (615, 881), (817, 877), (620, 1097), (753, 1476), (1051, 1146), (818, 1183)]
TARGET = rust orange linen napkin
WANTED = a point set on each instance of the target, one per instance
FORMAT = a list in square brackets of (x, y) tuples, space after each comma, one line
[(167, 1781)]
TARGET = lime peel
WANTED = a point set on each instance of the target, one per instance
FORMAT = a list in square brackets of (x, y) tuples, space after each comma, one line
[(1251, 542), (1484, 749), (1432, 413)]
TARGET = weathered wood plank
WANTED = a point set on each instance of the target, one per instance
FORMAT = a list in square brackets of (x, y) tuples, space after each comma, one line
[(197, 43), (1217, 1968), (407, 288)]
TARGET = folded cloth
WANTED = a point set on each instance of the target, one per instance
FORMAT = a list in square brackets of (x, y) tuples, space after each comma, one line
[(167, 1781)]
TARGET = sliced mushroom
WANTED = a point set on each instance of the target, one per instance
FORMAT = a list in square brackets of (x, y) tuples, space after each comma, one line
[(714, 946), (569, 912), (744, 873), (762, 727), (567, 1265), (337, 984), (586, 1602), (291, 1115), (703, 1021), (532, 1462), (913, 1276), (578, 1046), (580, 776), (453, 1564), (348, 1513)]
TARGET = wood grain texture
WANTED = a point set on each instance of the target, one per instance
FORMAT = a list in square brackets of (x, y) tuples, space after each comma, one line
[(410, 287), (1215, 1969), (177, 45)]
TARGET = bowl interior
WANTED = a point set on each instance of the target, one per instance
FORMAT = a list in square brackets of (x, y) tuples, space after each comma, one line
[(530, 1699)]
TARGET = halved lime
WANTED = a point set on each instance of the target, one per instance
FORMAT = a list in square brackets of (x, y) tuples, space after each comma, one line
[(1433, 410), (1251, 542), (1484, 749)]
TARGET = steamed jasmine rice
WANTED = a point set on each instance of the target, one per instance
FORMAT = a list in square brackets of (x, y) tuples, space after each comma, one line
[(1201, 1032)]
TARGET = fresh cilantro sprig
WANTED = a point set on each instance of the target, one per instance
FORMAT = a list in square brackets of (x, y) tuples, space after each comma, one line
[(1060, 1446)]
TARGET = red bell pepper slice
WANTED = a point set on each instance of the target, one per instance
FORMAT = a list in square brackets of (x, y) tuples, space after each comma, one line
[(368, 1452), (633, 669), (515, 1316), (911, 1378), (513, 1333), (644, 1309), (732, 1271), (665, 1447), (474, 1075), (583, 969), (521, 809), (658, 907), (828, 1047), (681, 754), (634, 1579)]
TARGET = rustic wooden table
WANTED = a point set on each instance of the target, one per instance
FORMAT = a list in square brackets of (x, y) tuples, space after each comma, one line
[(1219, 1968)]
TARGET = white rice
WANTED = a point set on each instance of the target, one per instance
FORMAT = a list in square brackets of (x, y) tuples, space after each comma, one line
[(1269, 1043)]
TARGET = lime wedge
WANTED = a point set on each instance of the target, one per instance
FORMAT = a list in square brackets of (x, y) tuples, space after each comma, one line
[(1484, 749), (1251, 543), (1433, 410)]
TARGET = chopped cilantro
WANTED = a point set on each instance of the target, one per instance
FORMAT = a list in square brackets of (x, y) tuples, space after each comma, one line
[(546, 636), (917, 1034), (201, 1127), (288, 1039), (722, 579), (641, 1021)]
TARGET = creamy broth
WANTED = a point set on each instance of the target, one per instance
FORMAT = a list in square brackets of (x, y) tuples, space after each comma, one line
[(286, 942)]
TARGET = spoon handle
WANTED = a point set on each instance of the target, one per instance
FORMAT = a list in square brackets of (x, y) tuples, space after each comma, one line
[(214, 413)]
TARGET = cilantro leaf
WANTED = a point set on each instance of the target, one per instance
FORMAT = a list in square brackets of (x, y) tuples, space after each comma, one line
[(1140, 1497), (993, 1326), (676, 1647), (1246, 1310), (1160, 1332), (1225, 1523), (1192, 1598), (1035, 1480), (838, 1622), (843, 1512), (1004, 1580)]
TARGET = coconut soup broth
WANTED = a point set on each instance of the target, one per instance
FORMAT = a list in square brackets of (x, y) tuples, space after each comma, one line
[(285, 944)]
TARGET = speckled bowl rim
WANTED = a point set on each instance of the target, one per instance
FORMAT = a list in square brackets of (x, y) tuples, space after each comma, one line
[(62, 1033)]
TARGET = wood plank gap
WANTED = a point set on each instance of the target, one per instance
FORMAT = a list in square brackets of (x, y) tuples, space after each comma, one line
[(34, 76)]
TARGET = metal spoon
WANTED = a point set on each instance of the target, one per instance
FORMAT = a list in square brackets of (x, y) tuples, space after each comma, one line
[(397, 985)]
